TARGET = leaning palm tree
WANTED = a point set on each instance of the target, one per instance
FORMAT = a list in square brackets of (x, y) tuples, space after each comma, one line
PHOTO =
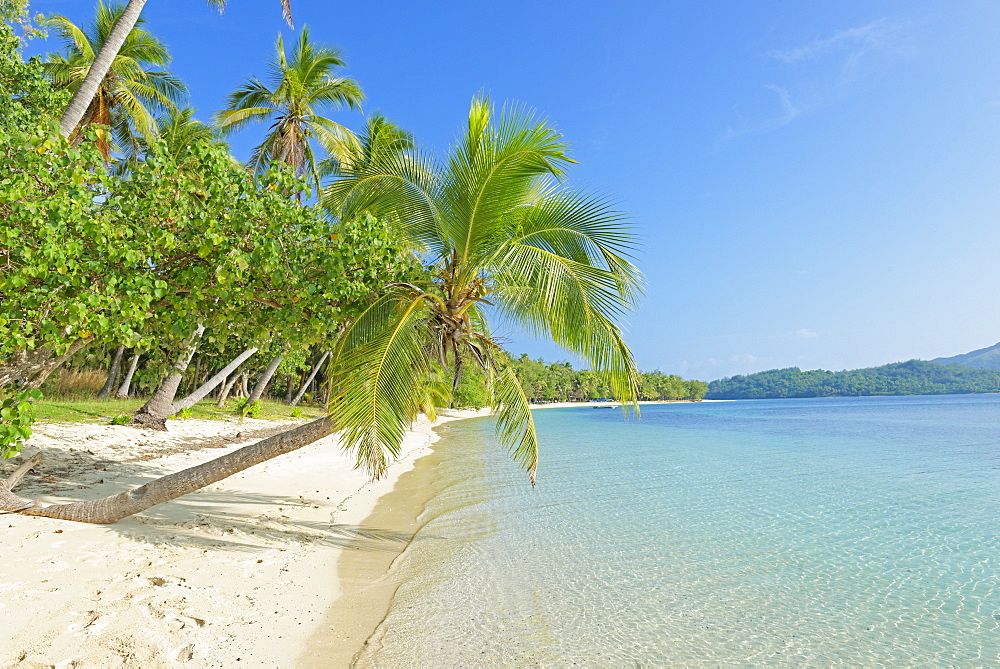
[(502, 237), (295, 93), (85, 93), (134, 87)]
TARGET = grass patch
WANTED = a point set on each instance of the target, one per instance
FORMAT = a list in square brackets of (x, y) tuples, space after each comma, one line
[(103, 411)]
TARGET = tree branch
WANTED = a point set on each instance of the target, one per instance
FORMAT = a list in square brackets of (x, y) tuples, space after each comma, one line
[(19, 473)]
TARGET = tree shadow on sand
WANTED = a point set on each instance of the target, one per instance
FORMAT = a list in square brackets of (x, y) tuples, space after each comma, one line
[(214, 519)]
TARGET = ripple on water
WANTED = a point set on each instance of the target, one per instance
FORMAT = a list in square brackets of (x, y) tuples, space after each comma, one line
[(858, 531)]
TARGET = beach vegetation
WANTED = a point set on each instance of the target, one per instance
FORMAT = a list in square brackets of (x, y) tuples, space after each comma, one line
[(132, 91), (16, 417), (559, 382), (377, 302), (82, 99)]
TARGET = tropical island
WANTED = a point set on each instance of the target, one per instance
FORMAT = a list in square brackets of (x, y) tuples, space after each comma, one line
[(914, 377), (273, 339)]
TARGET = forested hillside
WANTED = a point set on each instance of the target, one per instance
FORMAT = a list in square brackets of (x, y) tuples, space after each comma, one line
[(983, 358), (915, 377)]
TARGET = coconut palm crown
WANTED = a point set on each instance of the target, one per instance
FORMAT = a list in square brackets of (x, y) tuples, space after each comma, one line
[(501, 237), (296, 90), (135, 87)]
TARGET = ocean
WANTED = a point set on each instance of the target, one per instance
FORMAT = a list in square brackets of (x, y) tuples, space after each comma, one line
[(858, 531)]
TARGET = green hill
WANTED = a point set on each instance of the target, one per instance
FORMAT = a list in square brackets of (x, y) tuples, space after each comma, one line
[(984, 358), (915, 377)]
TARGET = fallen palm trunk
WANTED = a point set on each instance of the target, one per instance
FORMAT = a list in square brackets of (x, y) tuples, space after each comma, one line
[(114, 508)]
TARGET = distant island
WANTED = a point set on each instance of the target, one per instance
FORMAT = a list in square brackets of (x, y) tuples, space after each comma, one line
[(914, 377), (983, 358)]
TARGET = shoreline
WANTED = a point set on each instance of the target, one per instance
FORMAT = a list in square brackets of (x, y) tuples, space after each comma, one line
[(245, 572), (241, 573), (364, 571)]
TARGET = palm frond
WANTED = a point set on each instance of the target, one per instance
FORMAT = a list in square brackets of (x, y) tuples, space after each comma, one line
[(231, 120), (515, 423), (376, 370), (390, 183), (72, 37), (494, 170), (339, 142)]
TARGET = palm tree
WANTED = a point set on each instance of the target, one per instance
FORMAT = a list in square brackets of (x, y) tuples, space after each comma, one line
[(501, 237), (380, 136), (179, 133), (296, 90), (106, 56), (131, 90)]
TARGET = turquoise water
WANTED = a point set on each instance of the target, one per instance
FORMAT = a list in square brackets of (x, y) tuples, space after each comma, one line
[(851, 530)]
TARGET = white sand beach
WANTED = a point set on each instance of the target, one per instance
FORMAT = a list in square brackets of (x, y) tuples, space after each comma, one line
[(238, 574), (241, 573)]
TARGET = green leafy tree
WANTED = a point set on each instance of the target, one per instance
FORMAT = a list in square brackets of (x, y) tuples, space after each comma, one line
[(132, 90), (27, 99), (500, 236), (292, 99)]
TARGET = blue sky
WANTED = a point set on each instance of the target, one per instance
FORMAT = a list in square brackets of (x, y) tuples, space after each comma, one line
[(815, 184)]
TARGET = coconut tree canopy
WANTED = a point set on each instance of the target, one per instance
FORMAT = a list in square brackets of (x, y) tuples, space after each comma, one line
[(502, 237), (135, 87), (293, 98)]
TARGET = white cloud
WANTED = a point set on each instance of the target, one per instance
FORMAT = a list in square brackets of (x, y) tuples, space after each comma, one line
[(787, 114), (804, 333), (874, 35), (819, 71)]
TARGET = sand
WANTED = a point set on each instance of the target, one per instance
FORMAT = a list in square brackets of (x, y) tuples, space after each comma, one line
[(242, 573)]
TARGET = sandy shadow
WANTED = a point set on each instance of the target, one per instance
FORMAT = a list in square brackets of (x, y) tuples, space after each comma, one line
[(262, 521)]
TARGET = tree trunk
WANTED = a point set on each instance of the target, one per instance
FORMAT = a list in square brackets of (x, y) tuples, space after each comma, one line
[(312, 375), (53, 364), (207, 387), (25, 367), (99, 68), (263, 380), (196, 377), (244, 392), (153, 414), (224, 393), (171, 486), (125, 387), (113, 373)]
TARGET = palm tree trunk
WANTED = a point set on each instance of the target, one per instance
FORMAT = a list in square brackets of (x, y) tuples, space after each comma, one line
[(99, 69), (289, 388), (224, 392), (265, 378), (113, 373), (153, 414), (123, 389), (207, 387), (312, 375), (171, 486)]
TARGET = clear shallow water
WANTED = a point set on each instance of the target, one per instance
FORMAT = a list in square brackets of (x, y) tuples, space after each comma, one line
[(849, 530)]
